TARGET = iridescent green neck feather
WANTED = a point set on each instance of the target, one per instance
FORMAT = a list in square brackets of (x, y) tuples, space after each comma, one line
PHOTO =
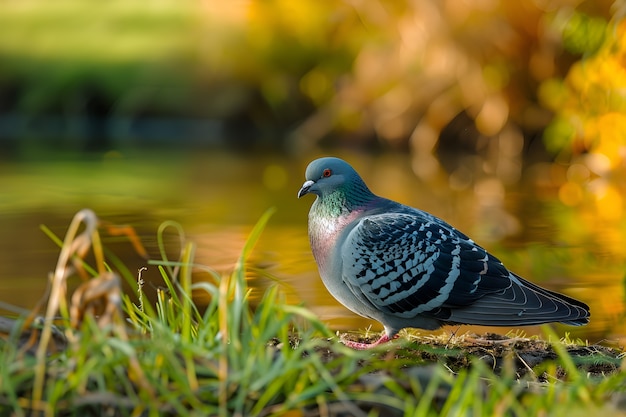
[(350, 196)]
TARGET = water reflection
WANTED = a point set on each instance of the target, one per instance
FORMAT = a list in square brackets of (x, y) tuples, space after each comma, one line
[(217, 199)]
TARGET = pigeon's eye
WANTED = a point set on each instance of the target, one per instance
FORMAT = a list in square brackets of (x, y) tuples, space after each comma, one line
[(327, 173)]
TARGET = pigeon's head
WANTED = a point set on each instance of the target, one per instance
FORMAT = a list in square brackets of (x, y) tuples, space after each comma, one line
[(325, 175)]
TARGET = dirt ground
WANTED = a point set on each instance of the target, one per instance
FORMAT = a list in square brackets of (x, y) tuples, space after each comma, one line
[(498, 351)]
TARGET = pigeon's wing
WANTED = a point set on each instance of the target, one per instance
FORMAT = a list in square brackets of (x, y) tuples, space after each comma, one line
[(410, 263), (523, 303)]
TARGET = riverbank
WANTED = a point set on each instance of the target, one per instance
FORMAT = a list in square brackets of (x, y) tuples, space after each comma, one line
[(101, 351)]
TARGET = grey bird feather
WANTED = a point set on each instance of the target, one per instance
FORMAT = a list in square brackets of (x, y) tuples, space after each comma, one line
[(404, 267)]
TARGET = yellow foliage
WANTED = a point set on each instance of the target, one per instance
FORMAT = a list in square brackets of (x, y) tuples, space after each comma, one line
[(570, 193), (589, 131), (609, 203), (611, 137), (593, 101)]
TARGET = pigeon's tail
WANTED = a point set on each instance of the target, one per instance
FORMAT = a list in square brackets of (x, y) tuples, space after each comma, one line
[(521, 304)]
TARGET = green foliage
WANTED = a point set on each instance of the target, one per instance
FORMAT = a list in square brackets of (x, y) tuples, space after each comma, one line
[(584, 34), (61, 55), (589, 103)]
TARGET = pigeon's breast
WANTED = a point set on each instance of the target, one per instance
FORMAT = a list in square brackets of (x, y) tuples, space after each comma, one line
[(324, 234)]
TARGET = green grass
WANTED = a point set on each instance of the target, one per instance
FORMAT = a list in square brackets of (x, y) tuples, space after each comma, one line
[(170, 358)]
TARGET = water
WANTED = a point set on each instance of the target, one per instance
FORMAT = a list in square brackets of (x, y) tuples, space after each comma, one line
[(217, 198)]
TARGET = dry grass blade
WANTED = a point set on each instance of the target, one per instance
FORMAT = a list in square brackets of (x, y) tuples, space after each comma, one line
[(98, 296), (74, 244)]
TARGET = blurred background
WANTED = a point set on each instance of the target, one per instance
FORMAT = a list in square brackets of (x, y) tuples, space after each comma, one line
[(506, 119)]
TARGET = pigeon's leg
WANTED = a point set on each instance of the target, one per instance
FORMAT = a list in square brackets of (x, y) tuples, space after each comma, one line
[(363, 346)]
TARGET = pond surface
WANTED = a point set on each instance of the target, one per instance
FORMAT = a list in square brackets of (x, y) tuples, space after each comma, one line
[(217, 198)]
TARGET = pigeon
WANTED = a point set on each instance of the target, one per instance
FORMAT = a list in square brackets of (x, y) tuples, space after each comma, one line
[(406, 268)]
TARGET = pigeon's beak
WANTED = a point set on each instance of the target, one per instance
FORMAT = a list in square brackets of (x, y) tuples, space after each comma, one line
[(305, 188)]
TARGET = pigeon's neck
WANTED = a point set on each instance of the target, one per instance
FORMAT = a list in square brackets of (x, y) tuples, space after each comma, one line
[(343, 201)]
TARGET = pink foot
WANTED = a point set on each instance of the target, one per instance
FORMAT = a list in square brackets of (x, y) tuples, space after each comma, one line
[(363, 346)]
